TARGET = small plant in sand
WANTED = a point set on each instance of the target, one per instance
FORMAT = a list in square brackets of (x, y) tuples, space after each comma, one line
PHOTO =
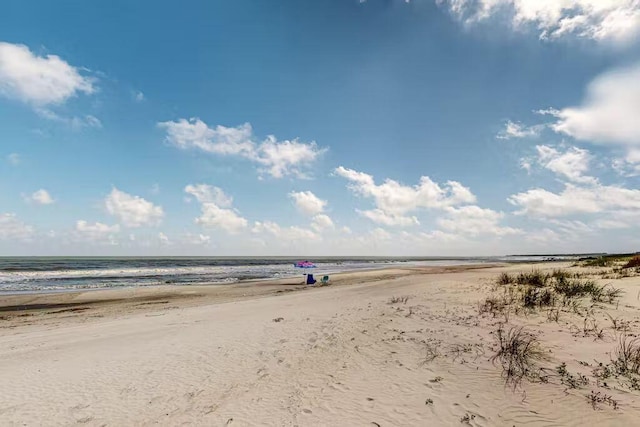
[(432, 352), (618, 324), (398, 300), (571, 380), (627, 356), (553, 315), (597, 398), (467, 419), (517, 352)]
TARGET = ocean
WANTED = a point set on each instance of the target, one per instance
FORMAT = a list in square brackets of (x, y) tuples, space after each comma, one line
[(54, 274)]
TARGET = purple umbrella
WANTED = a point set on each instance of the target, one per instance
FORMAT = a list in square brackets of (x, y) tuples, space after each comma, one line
[(304, 264)]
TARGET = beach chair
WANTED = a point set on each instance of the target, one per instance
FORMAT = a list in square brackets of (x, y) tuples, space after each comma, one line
[(324, 280), (310, 279)]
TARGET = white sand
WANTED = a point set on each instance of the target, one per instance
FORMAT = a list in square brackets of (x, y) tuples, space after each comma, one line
[(341, 356)]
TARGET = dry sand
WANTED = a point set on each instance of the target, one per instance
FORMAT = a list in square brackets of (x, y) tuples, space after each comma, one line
[(281, 354)]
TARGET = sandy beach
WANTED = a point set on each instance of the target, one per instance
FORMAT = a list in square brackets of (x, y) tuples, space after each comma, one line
[(380, 348)]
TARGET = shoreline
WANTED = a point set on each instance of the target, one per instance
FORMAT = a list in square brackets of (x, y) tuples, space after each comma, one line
[(24, 303)]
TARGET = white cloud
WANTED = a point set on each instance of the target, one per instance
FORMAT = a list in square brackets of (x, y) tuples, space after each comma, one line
[(197, 239), (41, 197), (11, 228), (214, 216), (572, 164), (133, 211), (275, 158), (474, 221), (39, 80), (14, 159), (616, 21), (610, 111), (216, 207), (307, 202), (518, 130), (576, 200), (629, 165), (164, 239), (389, 219), (209, 194), (76, 123), (138, 96), (322, 222), (284, 233), (394, 201), (96, 232)]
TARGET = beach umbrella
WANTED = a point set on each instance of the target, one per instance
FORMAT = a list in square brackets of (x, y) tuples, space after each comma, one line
[(304, 264)]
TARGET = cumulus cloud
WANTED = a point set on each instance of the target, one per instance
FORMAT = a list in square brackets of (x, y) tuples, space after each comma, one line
[(39, 80), (216, 208), (11, 228), (571, 165), (615, 21), (389, 219), (95, 231), (209, 194), (196, 239), (40, 197), (474, 221), (284, 233), (322, 222), (273, 157), (609, 112), (133, 211), (518, 130), (573, 199), (394, 201), (307, 202), (628, 165)]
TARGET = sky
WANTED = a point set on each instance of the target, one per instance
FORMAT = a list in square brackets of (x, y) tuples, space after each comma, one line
[(334, 127)]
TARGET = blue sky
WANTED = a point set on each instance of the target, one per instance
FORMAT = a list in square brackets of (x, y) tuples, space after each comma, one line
[(378, 127)]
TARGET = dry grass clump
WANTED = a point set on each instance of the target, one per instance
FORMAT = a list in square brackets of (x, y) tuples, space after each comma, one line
[(633, 262), (627, 356), (517, 353), (538, 290), (598, 262)]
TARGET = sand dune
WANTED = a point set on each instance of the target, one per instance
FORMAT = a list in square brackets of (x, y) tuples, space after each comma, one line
[(336, 355)]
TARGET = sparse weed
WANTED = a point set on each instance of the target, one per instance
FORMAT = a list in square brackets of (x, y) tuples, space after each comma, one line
[(505, 279), (597, 398), (517, 352), (627, 356), (570, 380), (398, 300)]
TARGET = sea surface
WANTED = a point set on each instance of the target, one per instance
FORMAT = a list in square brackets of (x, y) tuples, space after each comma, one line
[(53, 274)]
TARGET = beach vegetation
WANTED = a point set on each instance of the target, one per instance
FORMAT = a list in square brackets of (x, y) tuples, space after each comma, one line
[(633, 262), (597, 398), (517, 352), (397, 300), (627, 356)]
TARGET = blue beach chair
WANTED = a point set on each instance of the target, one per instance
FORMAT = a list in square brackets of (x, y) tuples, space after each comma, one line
[(310, 279)]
